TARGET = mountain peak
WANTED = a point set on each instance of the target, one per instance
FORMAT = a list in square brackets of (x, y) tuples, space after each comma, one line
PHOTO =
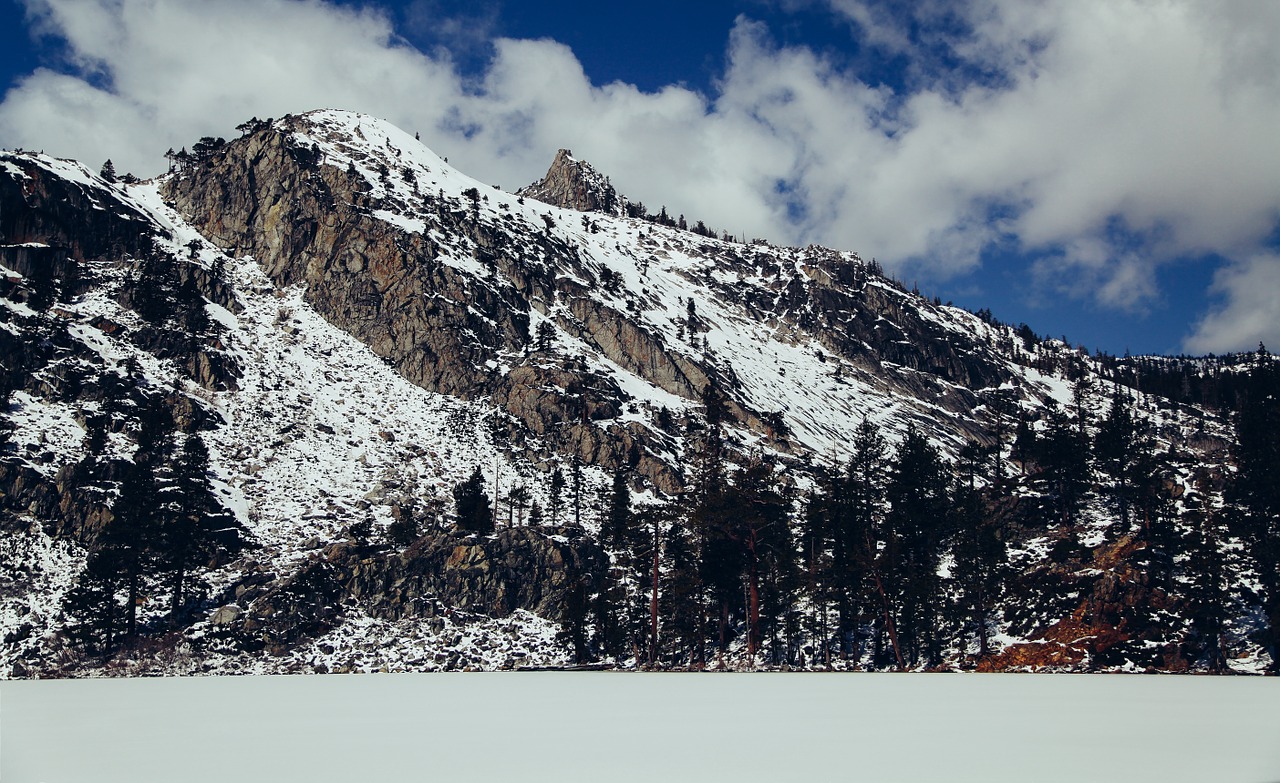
[(571, 183)]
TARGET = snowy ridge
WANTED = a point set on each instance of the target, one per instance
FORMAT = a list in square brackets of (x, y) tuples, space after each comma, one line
[(651, 272), (319, 433)]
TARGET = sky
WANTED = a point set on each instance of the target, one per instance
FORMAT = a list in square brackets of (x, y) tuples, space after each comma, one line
[(1103, 170)]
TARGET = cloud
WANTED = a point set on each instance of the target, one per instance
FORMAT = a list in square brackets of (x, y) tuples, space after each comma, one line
[(1100, 139), (1250, 313), (146, 76)]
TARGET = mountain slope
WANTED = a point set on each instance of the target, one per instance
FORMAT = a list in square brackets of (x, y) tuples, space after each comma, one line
[(354, 327)]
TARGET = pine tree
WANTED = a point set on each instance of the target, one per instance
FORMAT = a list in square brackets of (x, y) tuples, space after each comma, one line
[(154, 286), (917, 516), (190, 308), (1205, 579), (132, 538), (575, 488), (980, 562), (94, 605), (1064, 454), (616, 525), (720, 563), (680, 597), (405, 527), (857, 506), (473, 509), (555, 493), (1123, 449), (1255, 492), (189, 533), (817, 562)]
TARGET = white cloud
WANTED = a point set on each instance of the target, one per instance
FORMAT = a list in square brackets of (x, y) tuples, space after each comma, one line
[(1251, 312), (1110, 137), (156, 75)]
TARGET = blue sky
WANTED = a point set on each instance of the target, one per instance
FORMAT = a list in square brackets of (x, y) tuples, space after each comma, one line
[(1100, 169)]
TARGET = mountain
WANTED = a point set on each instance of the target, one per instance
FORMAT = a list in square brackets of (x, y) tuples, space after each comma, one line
[(452, 427)]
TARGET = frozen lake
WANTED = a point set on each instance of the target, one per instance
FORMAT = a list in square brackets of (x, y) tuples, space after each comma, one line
[(642, 727)]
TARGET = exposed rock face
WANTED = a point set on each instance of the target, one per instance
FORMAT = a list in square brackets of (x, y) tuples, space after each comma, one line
[(573, 184), (516, 568), (442, 328), (464, 328)]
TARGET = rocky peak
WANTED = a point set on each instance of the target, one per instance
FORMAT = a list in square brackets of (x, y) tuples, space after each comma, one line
[(575, 184)]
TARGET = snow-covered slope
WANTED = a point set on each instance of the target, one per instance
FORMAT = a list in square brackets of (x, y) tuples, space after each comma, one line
[(384, 325)]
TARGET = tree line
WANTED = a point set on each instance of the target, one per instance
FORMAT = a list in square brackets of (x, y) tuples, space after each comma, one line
[(900, 558), (166, 526)]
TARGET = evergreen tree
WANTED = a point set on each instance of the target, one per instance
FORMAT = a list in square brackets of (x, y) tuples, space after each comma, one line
[(858, 506), (759, 524), (721, 564), (980, 562), (1205, 580), (94, 605), (680, 597), (615, 528), (405, 527), (190, 532), (190, 308), (128, 544), (1063, 455), (153, 289), (818, 564), (918, 511), (555, 493), (575, 489), (1255, 492), (473, 509), (1116, 447)]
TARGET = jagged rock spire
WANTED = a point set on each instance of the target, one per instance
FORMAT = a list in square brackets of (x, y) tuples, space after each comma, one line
[(574, 184)]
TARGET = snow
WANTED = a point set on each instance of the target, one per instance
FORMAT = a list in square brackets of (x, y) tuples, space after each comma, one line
[(559, 726), (45, 431), (13, 170)]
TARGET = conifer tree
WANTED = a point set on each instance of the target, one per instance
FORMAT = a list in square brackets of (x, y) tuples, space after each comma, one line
[(980, 560), (472, 505), (616, 525), (817, 563), (94, 604), (680, 597), (1123, 449), (1205, 580), (1064, 454), (859, 506), (1255, 492), (189, 533), (918, 512), (555, 494)]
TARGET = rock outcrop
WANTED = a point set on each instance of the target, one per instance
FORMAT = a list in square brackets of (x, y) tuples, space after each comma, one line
[(574, 184), (539, 570)]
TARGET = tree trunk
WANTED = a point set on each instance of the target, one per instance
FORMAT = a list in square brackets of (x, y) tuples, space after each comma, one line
[(178, 579), (753, 603), (653, 599), (888, 620), (131, 608)]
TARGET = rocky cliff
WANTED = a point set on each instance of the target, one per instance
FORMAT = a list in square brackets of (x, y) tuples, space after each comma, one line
[(574, 184), (354, 328)]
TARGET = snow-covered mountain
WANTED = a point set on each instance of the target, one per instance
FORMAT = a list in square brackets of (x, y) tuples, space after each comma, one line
[(354, 328)]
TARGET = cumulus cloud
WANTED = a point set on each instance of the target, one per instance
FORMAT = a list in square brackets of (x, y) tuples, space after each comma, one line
[(1099, 139), (1251, 310)]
